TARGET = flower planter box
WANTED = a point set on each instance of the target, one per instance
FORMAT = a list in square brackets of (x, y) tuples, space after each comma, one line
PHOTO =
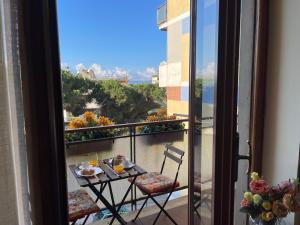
[(84, 147), (162, 137)]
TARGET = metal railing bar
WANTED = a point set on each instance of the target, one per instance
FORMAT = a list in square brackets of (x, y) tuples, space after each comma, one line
[(162, 5), (124, 136), (126, 125), (161, 132)]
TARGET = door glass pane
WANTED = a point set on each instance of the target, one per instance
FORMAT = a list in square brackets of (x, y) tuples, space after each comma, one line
[(243, 104), (124, 63), (206, 61)]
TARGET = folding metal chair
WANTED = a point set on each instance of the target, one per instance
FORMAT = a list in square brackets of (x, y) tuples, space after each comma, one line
[(201, 196), (154, 183), (81, 205)]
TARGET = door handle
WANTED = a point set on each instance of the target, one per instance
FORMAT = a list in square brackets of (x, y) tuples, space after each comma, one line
[(242, 157), (249, 157)]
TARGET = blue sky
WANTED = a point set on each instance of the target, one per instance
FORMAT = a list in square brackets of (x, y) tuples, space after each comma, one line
[(121, 36), (111, 33)]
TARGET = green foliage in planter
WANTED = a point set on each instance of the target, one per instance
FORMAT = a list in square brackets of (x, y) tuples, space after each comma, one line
[(161, 127), (91, 135), (161, 115), (89, 119)]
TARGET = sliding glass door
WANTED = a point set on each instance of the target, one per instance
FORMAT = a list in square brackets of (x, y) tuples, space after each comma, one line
[(204, 104), (213, 104)]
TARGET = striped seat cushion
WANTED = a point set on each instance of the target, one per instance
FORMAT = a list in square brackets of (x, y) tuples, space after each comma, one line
[(154, 182), (80, 205)]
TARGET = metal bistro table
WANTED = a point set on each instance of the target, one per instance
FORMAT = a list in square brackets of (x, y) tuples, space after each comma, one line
[(105, 179)]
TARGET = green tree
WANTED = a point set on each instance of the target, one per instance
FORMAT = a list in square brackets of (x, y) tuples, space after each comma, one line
[(152, 92), (124, 103), (75, 92), (198, 98)]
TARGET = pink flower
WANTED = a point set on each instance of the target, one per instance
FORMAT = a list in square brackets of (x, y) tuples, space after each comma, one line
[(259, 187), (287, 186), (282, 188), (245, 203)]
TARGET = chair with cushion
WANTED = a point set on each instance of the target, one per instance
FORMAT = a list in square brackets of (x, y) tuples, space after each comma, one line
[(80, 205), (201, 195), (155, 183)]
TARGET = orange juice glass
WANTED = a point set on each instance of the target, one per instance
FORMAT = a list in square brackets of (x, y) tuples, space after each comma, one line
[(93, 163), (118, 168)]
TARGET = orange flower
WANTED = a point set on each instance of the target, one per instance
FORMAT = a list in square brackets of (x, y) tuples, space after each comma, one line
[(162, 112), (104, 121), (77, 123), (290, 202), (245, 203), (279, 209), (152, 118), (89, 116), (172, 117)]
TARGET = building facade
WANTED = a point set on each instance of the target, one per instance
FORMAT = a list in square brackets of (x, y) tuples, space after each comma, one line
[(174, 18)]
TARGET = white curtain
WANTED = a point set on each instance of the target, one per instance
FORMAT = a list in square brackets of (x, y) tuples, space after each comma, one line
[(14, 200)]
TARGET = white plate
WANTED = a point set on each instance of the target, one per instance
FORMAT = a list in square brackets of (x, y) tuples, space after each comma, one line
[(128, 166), (96, 169), (81, 167)]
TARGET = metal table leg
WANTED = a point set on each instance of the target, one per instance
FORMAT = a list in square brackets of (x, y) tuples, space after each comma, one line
[(111, 195), (123, 200), (107, 204), (102, 187)]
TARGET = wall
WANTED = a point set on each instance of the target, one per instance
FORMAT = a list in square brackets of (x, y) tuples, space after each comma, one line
[(178, 35), (177, 7), (282, 116)]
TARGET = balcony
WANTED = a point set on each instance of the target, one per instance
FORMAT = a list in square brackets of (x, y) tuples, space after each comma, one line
[(162, 16), (145, 149), (170, 74)]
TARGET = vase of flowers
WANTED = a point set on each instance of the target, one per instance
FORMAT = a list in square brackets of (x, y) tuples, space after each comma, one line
[(259, 222), (269, 205)]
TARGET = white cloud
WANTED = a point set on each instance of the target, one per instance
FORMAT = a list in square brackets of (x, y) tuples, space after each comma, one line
[(79, 67), (118, 72), (97, 68), (121, 72), (64, 66), (143, 75), (102, 73), (207, 72), (151, 71)]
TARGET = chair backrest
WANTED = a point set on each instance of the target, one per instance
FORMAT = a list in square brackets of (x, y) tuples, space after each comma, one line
[(174, 154)]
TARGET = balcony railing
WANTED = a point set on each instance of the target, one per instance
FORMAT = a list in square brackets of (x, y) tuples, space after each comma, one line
[(162, 14), (131, 143)]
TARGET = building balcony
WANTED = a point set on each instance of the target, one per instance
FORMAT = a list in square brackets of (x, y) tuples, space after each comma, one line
[(162, 16), (170, 74), (146, 150)]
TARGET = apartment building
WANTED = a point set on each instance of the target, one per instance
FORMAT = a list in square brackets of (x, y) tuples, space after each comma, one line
[(173, 17)]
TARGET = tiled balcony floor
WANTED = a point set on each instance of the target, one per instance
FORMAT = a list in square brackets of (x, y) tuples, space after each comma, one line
[(177, 209)]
